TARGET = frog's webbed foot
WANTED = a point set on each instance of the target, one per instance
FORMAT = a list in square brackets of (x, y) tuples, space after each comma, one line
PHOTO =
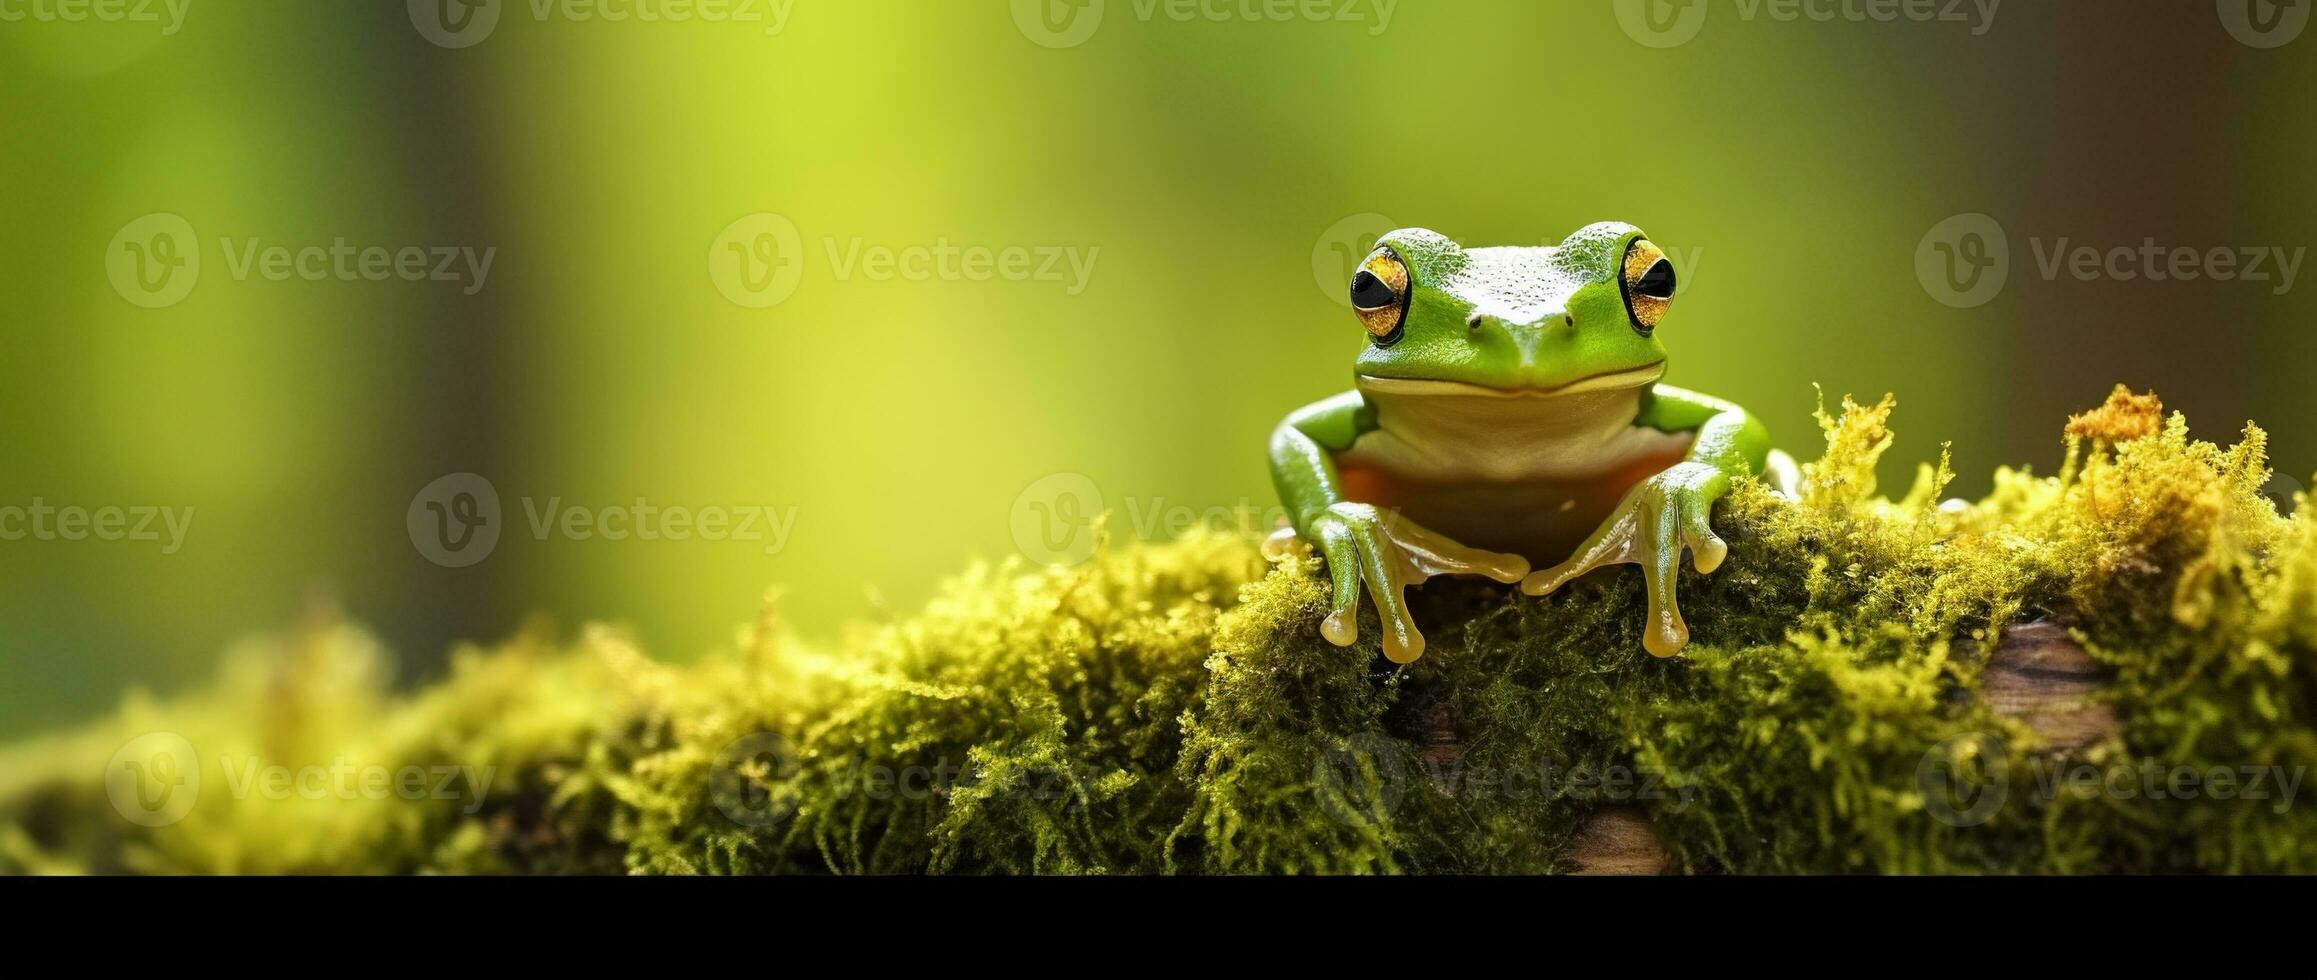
[(1363, 543), (1650, 527)]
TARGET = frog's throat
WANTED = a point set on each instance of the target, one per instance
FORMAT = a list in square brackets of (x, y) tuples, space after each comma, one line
[(1619, 380)]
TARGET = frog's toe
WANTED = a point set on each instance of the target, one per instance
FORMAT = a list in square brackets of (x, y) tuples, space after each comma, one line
[(1612, 543), (1342, 548), (1504, 568), (1546, 581), (1431, 553), (1667, 634), (1707, 549), (1390, 570), (1403, 643)]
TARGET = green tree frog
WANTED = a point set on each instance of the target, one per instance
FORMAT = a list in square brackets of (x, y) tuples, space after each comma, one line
[(1506, 411)]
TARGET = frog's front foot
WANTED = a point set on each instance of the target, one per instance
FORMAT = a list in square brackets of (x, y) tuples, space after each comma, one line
[(1649, 528), (1364, 543)]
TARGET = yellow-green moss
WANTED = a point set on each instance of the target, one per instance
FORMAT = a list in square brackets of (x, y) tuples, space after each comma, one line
[(1171, 708)]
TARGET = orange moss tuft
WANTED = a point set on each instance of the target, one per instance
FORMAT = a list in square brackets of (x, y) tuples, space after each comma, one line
[(2123, 418)]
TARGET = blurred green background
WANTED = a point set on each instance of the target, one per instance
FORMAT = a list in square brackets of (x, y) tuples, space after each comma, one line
[(1211, 168)]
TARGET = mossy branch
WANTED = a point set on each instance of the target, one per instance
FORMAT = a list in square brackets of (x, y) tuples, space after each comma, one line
[(1918, 685)]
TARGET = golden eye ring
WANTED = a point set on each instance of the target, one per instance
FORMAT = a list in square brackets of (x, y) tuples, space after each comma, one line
[(1379, 294), (1648, 283)]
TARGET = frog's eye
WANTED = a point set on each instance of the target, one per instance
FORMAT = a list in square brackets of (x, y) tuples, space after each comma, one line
[(1380, 295), (1648, 284)]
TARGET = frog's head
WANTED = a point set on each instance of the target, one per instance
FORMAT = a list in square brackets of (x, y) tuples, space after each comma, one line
[(1517, 322)]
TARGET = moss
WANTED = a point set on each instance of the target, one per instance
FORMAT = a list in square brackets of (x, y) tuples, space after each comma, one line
[(1171, 708)]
